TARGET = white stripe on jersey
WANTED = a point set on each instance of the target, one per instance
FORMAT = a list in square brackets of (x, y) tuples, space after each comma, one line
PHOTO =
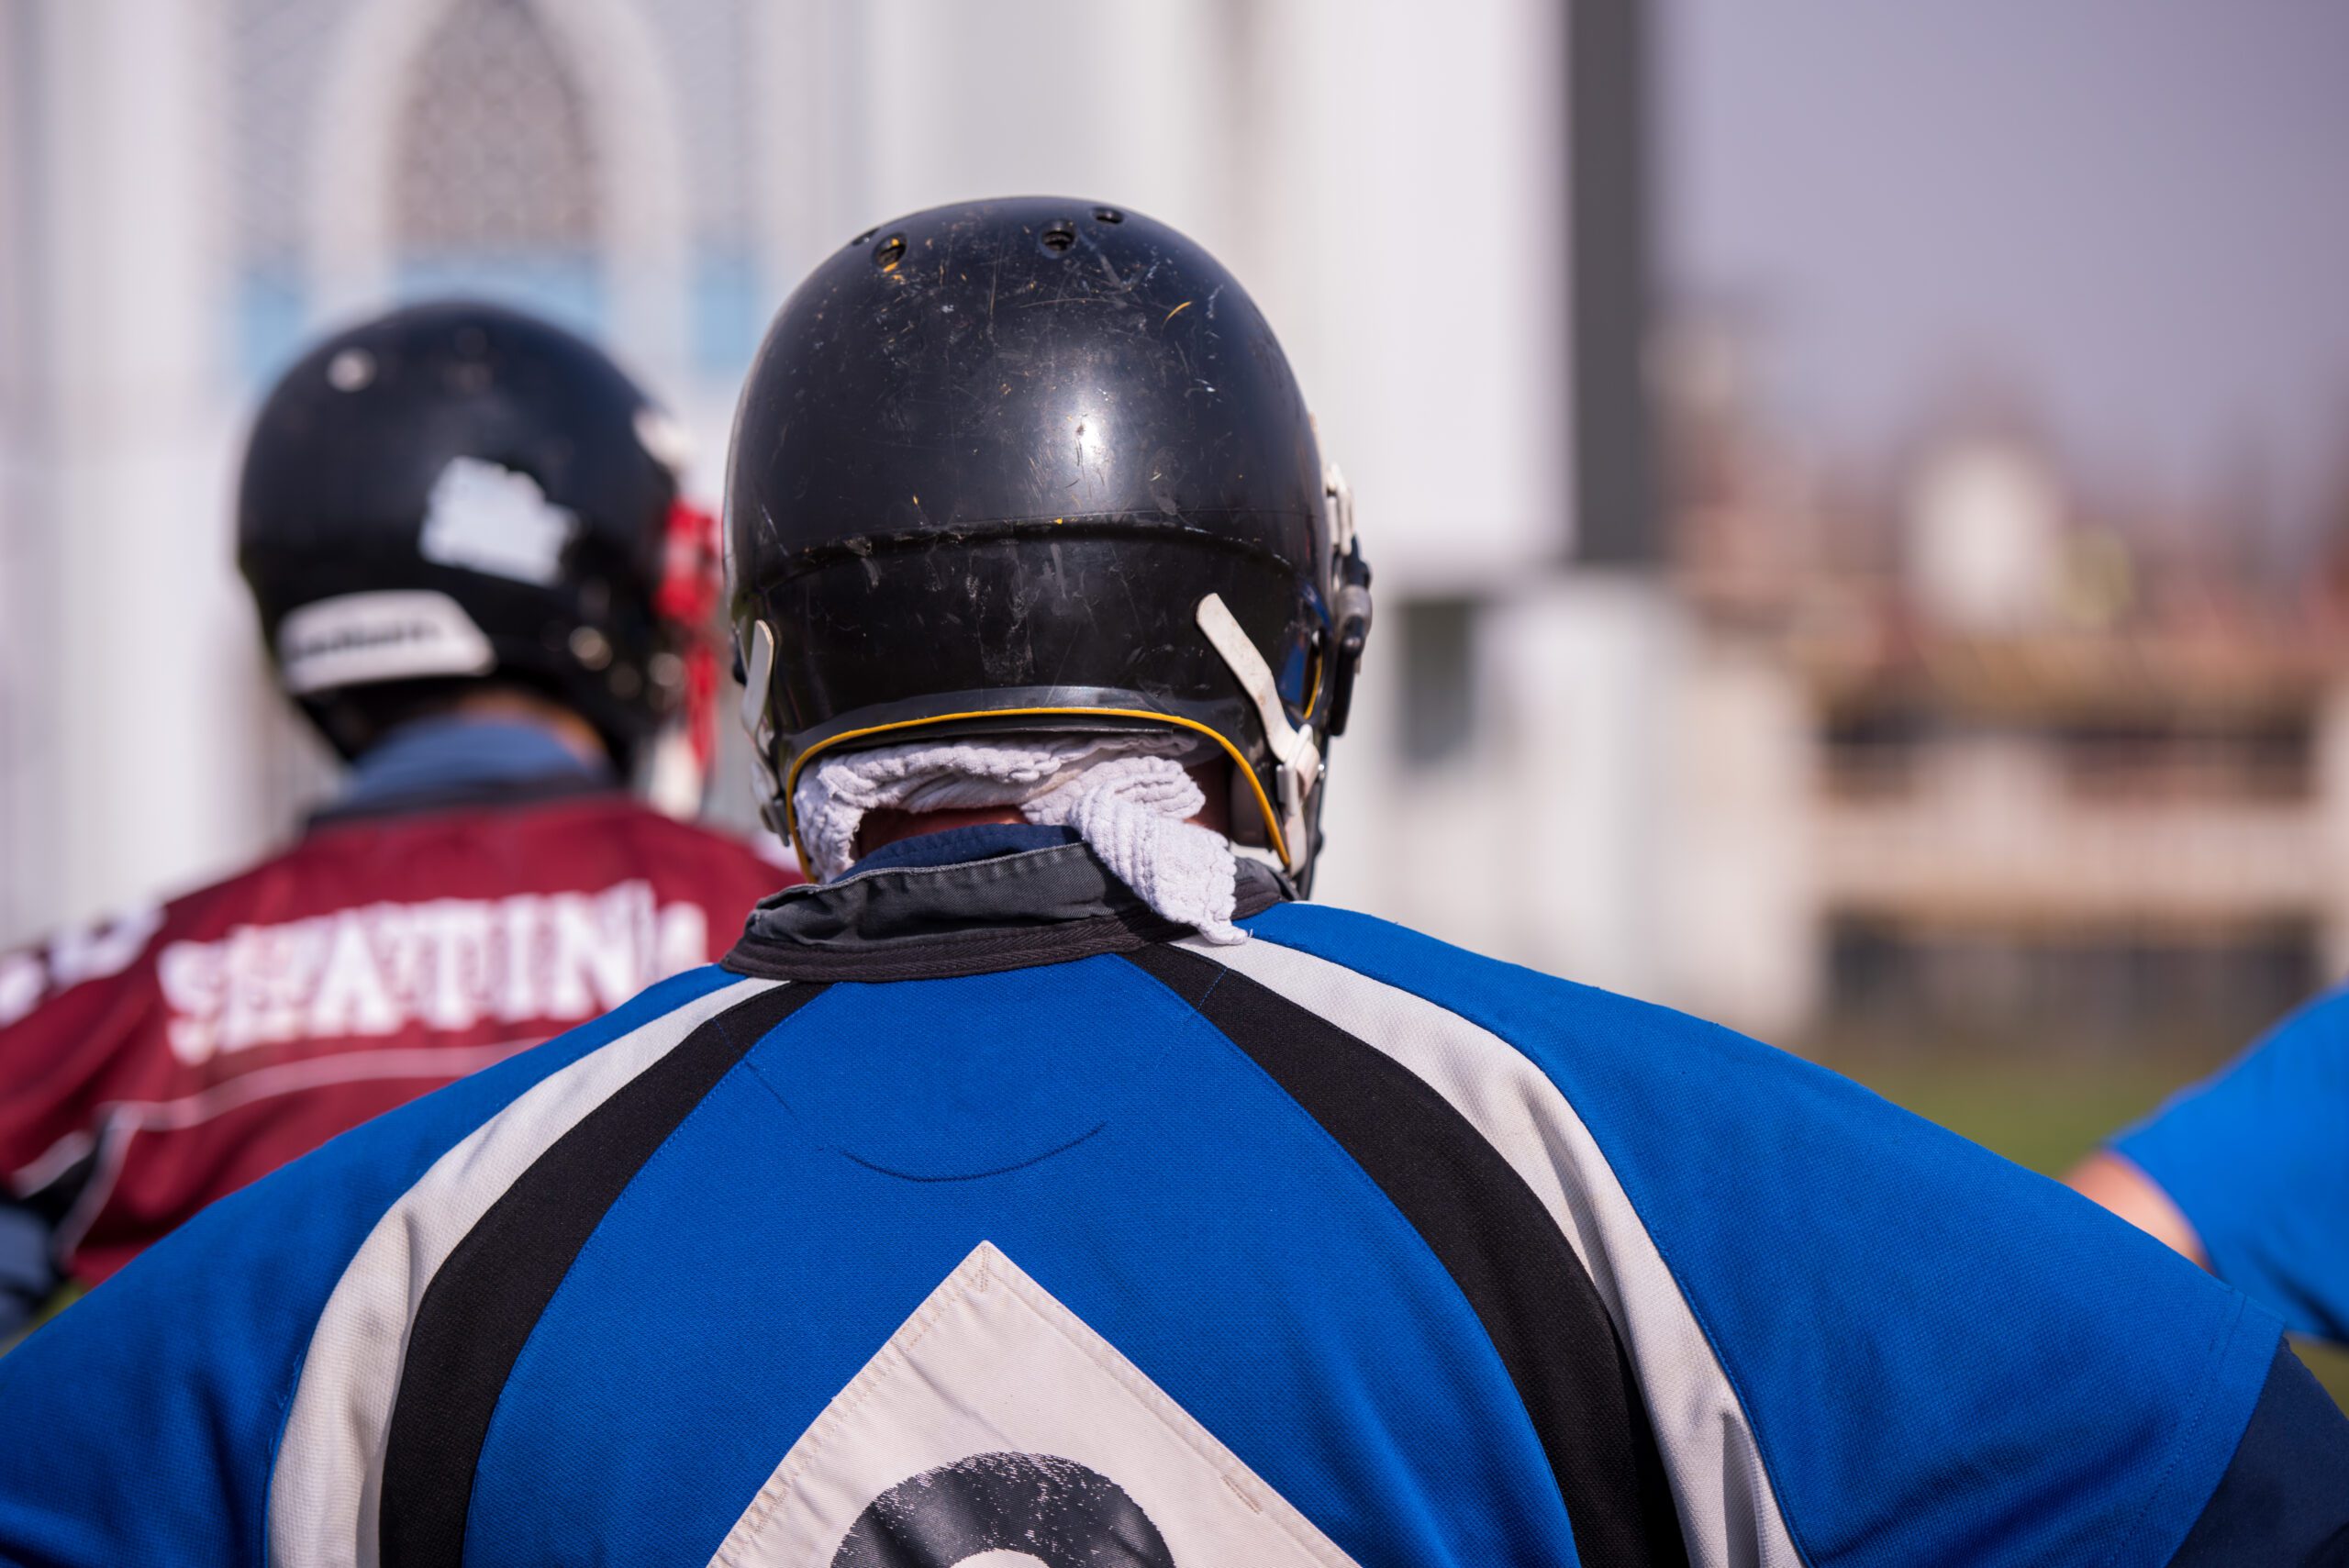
[(1727, 1509), (122, 1121), (327, 1486)]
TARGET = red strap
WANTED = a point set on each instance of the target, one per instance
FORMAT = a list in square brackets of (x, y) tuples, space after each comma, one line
[(693, 577)]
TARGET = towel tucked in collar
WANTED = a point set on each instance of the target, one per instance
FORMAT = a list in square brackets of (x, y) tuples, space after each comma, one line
[(1128, 796)]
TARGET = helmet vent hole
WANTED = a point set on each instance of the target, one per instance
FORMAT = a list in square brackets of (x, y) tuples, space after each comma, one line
[(350, 370), (1060, 237), (1108, 214), (889, 252)]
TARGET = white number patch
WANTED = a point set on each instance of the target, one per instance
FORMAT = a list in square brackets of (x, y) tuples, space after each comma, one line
[(997, 1427)]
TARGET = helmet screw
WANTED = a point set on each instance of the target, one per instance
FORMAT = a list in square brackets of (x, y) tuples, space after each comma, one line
[(590, 648), (350, 370)]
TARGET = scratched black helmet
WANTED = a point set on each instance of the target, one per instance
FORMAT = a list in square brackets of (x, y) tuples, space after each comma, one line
[(457, 493), (1040, 464)]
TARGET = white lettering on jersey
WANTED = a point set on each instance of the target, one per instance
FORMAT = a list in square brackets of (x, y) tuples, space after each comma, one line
[(22, 979), (96, 951), (449, 963), (88, 952), (995, 1421)]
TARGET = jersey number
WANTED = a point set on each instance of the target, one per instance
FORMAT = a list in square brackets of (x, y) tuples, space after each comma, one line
[(1049, 1509)]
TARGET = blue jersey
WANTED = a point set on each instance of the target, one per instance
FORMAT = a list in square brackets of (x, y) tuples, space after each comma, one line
[(971, 1209), (2258, 1160)]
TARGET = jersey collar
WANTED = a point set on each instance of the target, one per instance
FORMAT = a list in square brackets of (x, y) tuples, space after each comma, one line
[(983, 912)]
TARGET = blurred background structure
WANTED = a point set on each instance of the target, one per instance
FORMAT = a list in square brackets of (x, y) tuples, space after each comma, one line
[(1859, 492)]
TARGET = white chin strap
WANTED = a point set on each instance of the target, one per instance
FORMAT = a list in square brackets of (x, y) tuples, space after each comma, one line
[(1292, 749), (758, 673)]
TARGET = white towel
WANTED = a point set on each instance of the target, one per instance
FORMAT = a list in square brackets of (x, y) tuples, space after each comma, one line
[(1126, 795)]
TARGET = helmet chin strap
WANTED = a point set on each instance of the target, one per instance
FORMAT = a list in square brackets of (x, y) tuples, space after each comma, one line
[(758, 672), (1293, 749)]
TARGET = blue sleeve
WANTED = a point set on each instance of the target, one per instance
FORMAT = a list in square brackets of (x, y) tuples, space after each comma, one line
[(2284, 1500), (1945, 1358), (2258, 1160), (140, 1425)]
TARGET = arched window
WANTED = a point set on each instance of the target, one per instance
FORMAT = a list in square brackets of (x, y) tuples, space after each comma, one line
[(495, 184)]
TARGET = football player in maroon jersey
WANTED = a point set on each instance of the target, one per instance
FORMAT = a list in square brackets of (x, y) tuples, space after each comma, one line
[(463, 530)]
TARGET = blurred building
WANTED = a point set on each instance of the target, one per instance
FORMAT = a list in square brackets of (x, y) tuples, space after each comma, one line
[(1958, 743), (189, 187), (2054, 767)]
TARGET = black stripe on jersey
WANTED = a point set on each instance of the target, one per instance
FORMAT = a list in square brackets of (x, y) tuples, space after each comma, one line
[(1529, 1291), (486, 1301)]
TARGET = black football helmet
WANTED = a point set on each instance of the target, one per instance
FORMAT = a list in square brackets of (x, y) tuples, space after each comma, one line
[(1040, 464), (459, 491)]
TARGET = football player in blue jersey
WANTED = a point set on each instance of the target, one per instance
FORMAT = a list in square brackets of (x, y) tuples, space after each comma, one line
[(1047, 1182), (2247, 1174)]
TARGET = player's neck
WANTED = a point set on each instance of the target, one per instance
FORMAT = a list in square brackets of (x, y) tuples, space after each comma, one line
[(505, 706)]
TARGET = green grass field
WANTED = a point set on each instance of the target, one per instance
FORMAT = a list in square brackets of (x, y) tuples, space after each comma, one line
[(2045, 1114)]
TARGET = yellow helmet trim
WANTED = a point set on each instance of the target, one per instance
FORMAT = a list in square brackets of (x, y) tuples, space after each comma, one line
[(1255, 785)]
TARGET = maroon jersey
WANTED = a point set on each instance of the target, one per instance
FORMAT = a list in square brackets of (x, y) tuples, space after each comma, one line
[(167, 1058)]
